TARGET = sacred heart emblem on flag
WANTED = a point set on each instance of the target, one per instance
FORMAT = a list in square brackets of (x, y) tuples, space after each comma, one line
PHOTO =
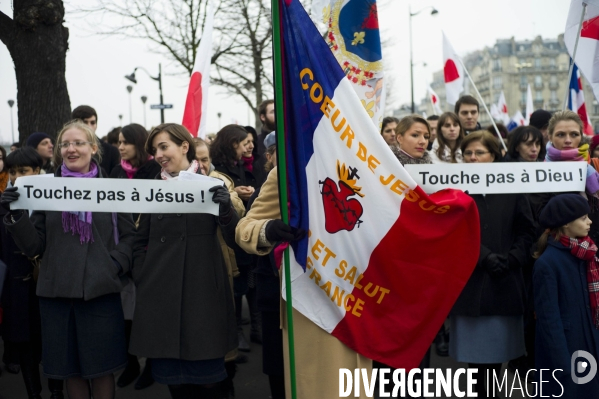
[(341, 211)]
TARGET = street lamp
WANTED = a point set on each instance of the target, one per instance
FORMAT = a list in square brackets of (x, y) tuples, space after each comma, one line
[(143, 100), (12, 126), (129, 90), (433, 12), (121, 119), (158, 79), (219, 115)]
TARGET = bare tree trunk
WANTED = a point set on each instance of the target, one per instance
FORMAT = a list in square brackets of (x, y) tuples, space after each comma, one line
[(38, 42)]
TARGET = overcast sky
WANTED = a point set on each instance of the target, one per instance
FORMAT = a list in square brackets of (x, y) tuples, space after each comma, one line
[(96, 65)]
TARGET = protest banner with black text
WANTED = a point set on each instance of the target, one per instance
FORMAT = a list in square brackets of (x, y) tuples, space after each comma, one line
[(501, 177)]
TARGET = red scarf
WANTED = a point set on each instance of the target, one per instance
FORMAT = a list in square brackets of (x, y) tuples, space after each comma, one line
[(248, 163), (585, 249)]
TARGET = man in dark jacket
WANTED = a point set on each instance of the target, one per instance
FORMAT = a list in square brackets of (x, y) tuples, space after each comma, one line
[(110, 154)]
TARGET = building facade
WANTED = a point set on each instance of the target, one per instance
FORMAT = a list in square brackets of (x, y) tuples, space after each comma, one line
[(510, 66)]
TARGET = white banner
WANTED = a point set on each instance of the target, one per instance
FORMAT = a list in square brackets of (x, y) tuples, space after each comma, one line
[(501, 177), (117, 195)]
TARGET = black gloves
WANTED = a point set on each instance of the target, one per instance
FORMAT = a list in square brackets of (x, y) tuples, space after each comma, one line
[(223, 199), (9, 195), (496, 265), (277, 231)]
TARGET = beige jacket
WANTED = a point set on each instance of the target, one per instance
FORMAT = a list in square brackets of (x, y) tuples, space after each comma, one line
[(318, 355)]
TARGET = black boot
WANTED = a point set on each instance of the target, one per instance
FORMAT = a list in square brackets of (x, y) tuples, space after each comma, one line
[(130, 373), (55, 387), (255, 316), (145, 379), (182, 391), (214, 392), (30, 368), (442, 342)]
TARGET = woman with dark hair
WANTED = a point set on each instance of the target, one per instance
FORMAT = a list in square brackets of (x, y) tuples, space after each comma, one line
[(136, 163), (184, 318), (446, 149), (252, 160), (487, 325), (3, 169), (388, 130), (525, 144)]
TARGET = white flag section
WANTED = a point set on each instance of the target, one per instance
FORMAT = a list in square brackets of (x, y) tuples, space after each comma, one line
[(196, 105), (529, 106), (501, 178), (453, 72), (502, 109), (587, 53), (435, 101), (115, 195)]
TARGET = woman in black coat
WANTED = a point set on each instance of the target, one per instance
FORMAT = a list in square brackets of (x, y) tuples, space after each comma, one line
[(136, 163), (184, 318), (487, 319)]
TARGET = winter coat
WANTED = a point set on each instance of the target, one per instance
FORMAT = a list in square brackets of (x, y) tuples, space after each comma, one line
[(148, 170), (238, 174), (70, 269), (184, 308), (21, 317), (110, 157), (506, 228), (446, 156), (564, 321), (311, 342)]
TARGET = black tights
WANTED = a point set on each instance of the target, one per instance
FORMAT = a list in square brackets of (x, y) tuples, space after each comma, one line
[(483, 371), (98, 388)]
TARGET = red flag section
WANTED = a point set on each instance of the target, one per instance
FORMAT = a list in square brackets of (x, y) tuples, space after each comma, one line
[(193, 104), (426, 255), (450, 71)]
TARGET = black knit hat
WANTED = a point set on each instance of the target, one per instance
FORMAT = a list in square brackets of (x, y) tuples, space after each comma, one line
[(36, 138), (562, 209), (540, 118)]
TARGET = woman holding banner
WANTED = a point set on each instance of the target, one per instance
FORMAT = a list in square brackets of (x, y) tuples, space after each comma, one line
[(487, 319), (184, 318), (83, 256), (136, 163), (446, 149)]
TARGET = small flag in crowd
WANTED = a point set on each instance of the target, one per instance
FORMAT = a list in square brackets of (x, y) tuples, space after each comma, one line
[(366, 272), (576, 100), (587, 53), (353, 37), (453, 72), (503, 115), (435, 101), (515, 121), (529, 105), (194, 116)]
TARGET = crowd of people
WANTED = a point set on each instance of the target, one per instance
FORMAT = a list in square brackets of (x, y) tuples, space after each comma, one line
[(88, 294)]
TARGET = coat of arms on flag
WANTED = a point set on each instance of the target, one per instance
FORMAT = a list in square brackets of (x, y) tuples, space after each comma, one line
[(353, 36)]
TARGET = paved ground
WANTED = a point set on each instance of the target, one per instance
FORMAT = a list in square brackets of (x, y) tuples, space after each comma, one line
[(250, 383)]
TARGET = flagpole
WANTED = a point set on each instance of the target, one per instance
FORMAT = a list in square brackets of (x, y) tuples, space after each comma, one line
[(573, 58), (484, 105), (282, 175)]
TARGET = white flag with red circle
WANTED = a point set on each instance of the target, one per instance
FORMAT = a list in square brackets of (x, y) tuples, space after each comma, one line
[(435, 101), (453, 72)]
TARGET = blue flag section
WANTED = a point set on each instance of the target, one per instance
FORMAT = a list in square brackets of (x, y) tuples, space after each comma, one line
[(303, 48)]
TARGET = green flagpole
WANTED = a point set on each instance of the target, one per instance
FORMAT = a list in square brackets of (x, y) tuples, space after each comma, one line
[(282, 174)]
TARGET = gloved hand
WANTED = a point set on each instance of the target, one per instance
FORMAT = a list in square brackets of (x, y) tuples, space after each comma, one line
[(277, 231), (9, 195), (223, 199), (496, 265), (118, 266)]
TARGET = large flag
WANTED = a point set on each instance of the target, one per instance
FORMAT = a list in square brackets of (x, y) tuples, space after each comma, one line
[(529, 105), (383, 262), (587, 54), (502, 108), (353, 37), (194, 116), (576, 100), (453, 72), (435, 101)]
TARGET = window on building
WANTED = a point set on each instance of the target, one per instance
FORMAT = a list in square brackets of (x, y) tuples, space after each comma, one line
[(538, 95), (538, 80), (497, 64), (537, 62), (595, 108), (521, 48), (523, 79), (523, 97), (553, 95), (497, 81), (552, 62), (553, 79)]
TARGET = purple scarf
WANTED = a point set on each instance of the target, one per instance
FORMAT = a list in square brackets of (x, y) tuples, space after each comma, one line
[(81, 222)]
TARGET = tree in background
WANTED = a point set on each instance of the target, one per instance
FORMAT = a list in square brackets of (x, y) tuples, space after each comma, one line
[(242, 36), (38, 43)]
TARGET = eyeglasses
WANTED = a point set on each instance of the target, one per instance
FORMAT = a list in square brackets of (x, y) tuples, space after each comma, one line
[(477, 154), (76, 144)]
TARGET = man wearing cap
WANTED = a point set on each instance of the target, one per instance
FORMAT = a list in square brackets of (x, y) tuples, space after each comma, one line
[(540, 120), (44, 146)]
